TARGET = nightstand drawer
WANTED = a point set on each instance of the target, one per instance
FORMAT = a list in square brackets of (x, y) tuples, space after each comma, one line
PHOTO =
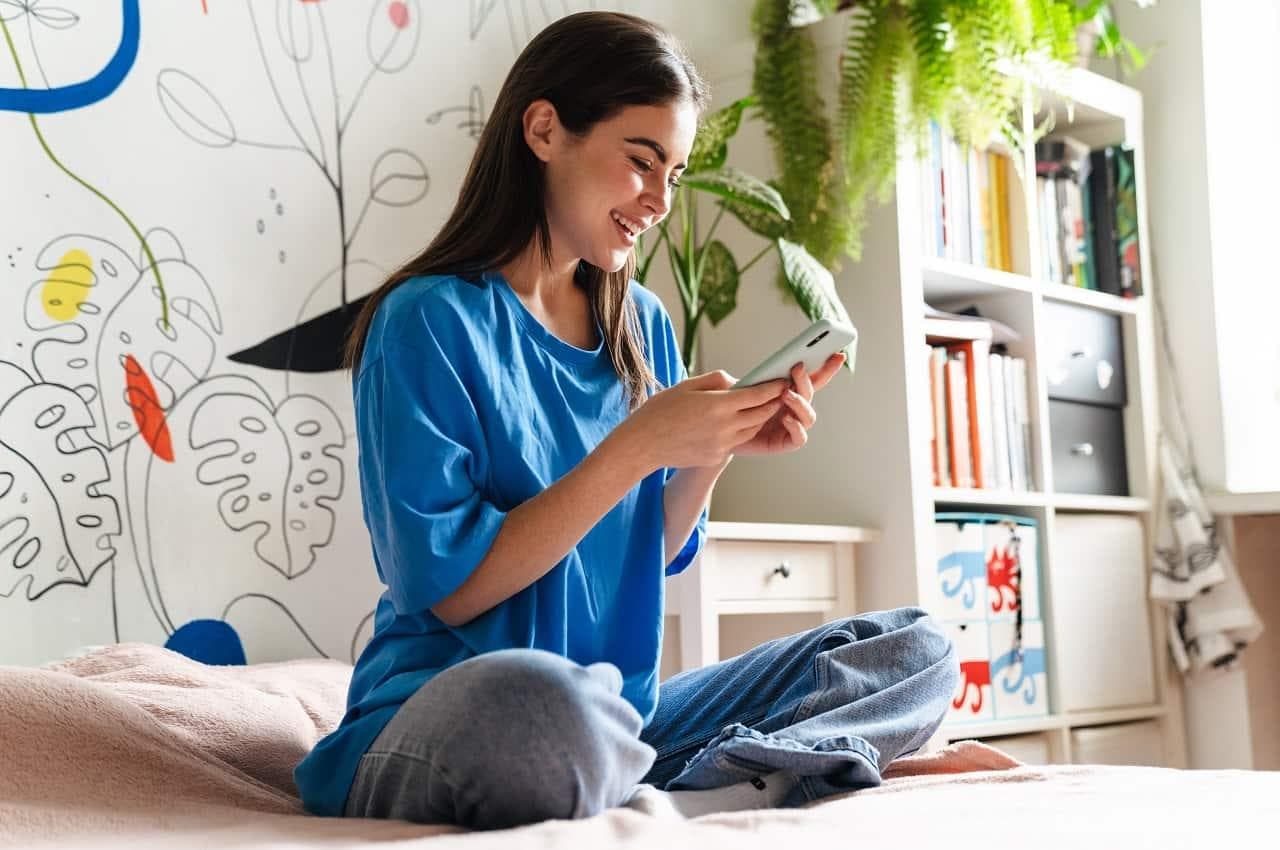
[(756, 569)]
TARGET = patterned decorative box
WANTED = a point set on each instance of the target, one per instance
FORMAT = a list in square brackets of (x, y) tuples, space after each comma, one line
[(986, 593)]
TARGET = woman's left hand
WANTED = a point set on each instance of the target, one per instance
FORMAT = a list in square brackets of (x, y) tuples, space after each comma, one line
[(788, 430)]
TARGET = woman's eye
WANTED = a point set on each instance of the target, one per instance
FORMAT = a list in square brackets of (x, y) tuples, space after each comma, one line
[(645, 165)]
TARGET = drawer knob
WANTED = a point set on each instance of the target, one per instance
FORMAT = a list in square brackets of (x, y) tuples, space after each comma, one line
[(783, 569), (1082, 450)]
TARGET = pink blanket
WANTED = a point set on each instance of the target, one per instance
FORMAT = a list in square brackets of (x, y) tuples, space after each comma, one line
[(136, 746)]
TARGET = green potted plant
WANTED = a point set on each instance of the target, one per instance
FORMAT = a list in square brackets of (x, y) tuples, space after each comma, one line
[(904, 63), (707, 275), (1097, 34)]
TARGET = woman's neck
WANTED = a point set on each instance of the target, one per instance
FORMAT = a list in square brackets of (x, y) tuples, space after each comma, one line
[(540, 282)]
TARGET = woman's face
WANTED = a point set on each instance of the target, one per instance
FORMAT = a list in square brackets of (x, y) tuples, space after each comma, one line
[(605, 189)]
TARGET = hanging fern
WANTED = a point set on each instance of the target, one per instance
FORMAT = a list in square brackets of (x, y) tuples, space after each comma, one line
[(785, 83), (904, 63), (869, 104)]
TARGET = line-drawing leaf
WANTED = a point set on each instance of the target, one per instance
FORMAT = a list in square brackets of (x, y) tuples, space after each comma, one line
[(56, 521), (194, 109), (398, 179), (393, 33), (277, 469), (107, 312)]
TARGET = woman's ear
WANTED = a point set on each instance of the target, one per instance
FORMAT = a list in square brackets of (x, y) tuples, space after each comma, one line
[(540, 127)]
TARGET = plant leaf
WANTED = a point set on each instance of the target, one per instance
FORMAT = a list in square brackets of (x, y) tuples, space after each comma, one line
[(785, 79), (759, 221), (729, 182), (718, 292), (814, 288), (711, 144)]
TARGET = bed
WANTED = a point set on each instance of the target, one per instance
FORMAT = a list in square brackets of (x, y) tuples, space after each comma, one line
[(132, 745)]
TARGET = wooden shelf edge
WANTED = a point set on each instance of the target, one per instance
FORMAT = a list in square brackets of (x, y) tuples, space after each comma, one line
[(773, 606), (980, 277), (1050, 723), (962, 495), (1244, 503), (1113, 715), (996, 728), (798, 532), (1091, 298), (1087, 502)]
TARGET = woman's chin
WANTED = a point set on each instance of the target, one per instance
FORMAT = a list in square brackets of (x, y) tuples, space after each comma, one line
[(611, 261)]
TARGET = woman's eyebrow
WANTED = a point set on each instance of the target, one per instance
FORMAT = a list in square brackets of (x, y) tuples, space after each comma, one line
[(657, 148)]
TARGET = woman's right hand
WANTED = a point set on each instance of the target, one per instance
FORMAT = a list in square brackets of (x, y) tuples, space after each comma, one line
[(699, 421)]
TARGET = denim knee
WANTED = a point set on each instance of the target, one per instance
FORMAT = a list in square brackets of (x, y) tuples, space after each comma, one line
[(532, 736), (937, 655)]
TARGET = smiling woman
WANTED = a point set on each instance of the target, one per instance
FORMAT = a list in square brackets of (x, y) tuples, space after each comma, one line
[(535, 462), (563, 106)]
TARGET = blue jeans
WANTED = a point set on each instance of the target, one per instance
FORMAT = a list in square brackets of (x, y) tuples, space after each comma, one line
[(520, 736)]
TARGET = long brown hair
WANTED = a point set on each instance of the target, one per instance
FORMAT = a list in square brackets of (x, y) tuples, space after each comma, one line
[(589, 66)]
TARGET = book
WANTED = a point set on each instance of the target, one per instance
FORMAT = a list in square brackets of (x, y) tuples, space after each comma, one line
[(943, 329), (1126, 224), (937, 185), (975, 355), (1023, 419), (1000, 205), (1102, 191), (1090, 246), (977, 242), (1017, 473), (938, 399), (942, 326), (958, 421), (999, 424)]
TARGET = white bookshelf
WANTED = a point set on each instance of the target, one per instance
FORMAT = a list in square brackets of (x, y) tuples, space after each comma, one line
[(868, 459)]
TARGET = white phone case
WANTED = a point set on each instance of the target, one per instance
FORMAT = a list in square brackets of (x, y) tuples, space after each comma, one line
[(812, 347)]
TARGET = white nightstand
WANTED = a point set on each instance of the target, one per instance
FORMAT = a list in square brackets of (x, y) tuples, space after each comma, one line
[(762, 568)]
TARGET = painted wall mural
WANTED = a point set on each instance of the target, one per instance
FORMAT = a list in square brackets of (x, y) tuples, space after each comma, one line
[(196, 199)]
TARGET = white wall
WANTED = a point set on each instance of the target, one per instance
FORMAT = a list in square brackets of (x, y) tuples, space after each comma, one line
[(216, 147), (1210, 93), (1210, 96), (1242, 92)]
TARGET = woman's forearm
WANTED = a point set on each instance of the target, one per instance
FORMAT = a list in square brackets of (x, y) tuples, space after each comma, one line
[(683, 501), (537, 534)]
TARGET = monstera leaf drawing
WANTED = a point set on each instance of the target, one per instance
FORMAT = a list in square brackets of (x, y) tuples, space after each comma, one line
[(97, 312), (56, 522), (277, 468)]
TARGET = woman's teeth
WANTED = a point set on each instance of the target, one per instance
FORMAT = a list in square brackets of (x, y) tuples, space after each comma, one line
[(630, 227)]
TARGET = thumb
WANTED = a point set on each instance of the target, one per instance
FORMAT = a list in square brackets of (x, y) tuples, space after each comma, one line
[(717, 379)]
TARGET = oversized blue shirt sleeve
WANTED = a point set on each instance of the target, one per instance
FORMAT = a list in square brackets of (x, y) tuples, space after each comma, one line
[(676, 372), (422, 466)]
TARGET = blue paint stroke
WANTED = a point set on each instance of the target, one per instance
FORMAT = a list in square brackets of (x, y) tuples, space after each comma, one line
[(92, 90)]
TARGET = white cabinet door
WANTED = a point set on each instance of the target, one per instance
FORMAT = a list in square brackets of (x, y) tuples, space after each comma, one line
[(1100, 613)]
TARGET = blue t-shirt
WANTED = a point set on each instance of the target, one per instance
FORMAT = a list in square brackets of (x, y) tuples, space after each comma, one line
[(466, 406)]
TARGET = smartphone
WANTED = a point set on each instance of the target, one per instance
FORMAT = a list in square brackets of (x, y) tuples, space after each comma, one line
[(812, 347)]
